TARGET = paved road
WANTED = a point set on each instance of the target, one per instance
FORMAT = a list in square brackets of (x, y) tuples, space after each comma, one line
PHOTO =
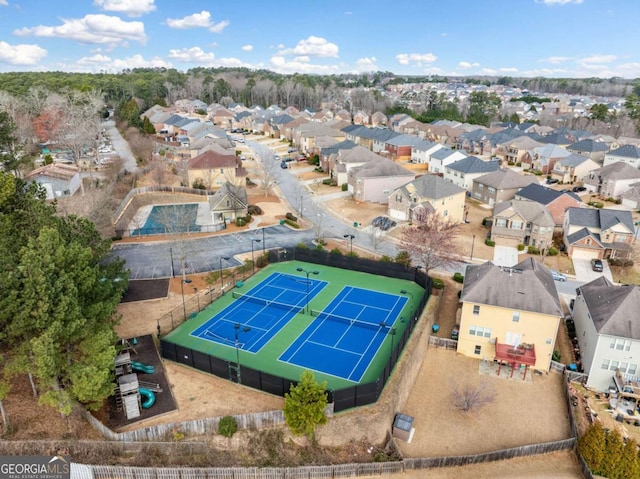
[(121, 146)]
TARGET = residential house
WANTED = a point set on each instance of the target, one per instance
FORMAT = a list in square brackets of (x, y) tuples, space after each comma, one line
[(475, 142), (500, 185), (328, 153), (612, 180), (57, 179), (631, 197), (421, 152), (545, 157), (598, 233), (379, 119), (517, 222), (375, 180), (347, 159), (228, 203), (304, 135), (222, 117), (462, 172), (512, 151), (629, 154), (573, 168), (590, 148), (427, 192), (510, 315), (399, 147), (555, 202), (213, 169), (439, 159), (608, 335), (361, 118)]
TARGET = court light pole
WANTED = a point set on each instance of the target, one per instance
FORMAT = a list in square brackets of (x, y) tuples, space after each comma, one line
[(350, 238), (173, 272), (238, 330), (301, 270), (195, 290), (253, 263), (473, 241), (226, 258), (184, 305)]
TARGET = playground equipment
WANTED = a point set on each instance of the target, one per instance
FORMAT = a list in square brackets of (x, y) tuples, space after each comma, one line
[(132, 394), (149, 397), (142, 368)]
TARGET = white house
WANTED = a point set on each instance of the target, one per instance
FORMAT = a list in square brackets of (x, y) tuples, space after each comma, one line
[(629, 154), (607, 331), (462, 172)]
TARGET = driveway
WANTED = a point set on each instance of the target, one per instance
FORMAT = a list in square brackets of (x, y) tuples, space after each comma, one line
[(505, 256), (585, 274)]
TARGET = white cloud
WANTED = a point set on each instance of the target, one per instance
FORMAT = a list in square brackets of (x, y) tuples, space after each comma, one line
[(367, 64), (555, 60), (247, 48), (508, 70), (599, 59), (99, 63), (198, 20), (130, 8), (192, 55), (279, 64), (138, 61), (97, 59), (4, 3), (22, 54), (417, 58), (100, 29), (312, 46), (559, 2), (467, 65), (198, 56), (302, 59)]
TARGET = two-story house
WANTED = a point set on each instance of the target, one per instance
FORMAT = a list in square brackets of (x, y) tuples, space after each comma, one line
[(409, 201), (512, 151), (590, 148), (629, 154), (375, 180), (462, 172), (524, 222), (439, 159), (608, 335), (213, 169), (501, 185), (612, 180), (555, 202), (510, 315), (421, 152), (572, 169), (598, 233)]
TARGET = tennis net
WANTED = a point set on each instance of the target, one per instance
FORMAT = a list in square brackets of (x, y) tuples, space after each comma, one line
[(268, 303), (349, 321)]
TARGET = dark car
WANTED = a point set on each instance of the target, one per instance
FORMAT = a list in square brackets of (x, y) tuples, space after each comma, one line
[(284, 165), (552, 181), (596, 265), (578, 189)]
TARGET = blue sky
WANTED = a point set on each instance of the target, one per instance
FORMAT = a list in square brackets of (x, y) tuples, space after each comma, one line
[(550, 38)]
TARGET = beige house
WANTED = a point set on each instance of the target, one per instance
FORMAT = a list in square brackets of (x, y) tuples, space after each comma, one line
[(212, 169), (524, 222), (501, 185), (510, 315), (428, 192)]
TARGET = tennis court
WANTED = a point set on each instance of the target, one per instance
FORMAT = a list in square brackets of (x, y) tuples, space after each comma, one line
[(260, 313), (344, 337), (264, 326)]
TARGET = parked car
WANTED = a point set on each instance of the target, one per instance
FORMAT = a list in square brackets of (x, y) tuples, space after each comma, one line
[(455, 332), (383, 222), (597, 266), (552, 181), (291, 150), (557, 276), (284, 165), (276, 157), (578, 189)]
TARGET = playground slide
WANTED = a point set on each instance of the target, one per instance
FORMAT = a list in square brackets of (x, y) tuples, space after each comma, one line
[(148, 397), (142, 368)]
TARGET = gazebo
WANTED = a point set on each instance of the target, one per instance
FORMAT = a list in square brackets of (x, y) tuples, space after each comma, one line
[(516, 356)]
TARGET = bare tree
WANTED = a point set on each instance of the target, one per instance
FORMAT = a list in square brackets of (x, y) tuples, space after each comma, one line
[(471, 397), (375, 236), (142, 146), (432, 241), (159, 172), (266, 175)]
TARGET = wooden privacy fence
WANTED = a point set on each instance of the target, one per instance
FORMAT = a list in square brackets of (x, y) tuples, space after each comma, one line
[(444, 343), (80, 471)]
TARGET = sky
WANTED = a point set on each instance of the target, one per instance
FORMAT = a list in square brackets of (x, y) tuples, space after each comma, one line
[(520, 38)]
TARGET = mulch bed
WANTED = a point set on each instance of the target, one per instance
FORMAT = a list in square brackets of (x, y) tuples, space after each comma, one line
[(145, 352), (144, 289)]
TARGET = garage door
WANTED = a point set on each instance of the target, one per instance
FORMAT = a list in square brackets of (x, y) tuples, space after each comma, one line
[(580, 253)]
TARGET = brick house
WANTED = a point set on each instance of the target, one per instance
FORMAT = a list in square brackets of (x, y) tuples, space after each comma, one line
[(556, 202)]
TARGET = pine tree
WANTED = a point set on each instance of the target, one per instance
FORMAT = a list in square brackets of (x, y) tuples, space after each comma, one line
[(591, 446), (612, 462), (304, 406), (630, 461)]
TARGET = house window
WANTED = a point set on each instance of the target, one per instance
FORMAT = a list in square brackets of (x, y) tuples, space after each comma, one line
[(476, 309), (228, 203), (612, 344), (516, 225), (515, 317), (632, 369), (605, 364), (479, 331), (385, 192), (398, 199), (477, 349), (614, 365), (472, 330), (627, 345), (623, 367), (501, 222), (492, 190), (487, 332), (480, 186), (619, 344)]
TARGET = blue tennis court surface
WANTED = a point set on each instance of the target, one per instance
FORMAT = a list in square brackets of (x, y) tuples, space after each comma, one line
[(258, 315), (170, 219), (345, 337)]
